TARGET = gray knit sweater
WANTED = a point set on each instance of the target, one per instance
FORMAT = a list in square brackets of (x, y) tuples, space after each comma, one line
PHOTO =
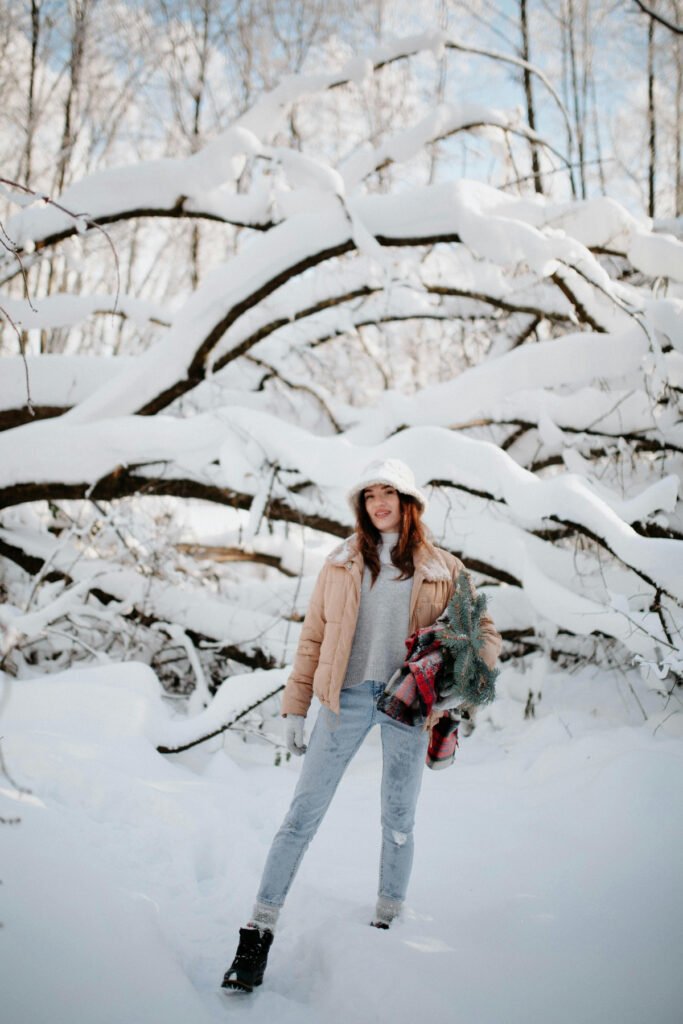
[(383, 618)]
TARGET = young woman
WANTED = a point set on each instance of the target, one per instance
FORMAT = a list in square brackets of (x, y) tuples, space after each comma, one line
[(384, 582)]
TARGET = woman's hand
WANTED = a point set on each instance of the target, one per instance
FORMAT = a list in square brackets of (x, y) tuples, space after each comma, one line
[(294, 734), (432, 718)]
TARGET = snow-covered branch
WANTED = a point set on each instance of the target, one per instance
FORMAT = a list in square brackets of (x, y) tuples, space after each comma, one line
[(236, 631), (481, 218), (442, 123), (528, 350)]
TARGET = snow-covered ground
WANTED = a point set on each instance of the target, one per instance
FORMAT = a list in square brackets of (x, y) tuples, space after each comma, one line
[(546, 889)]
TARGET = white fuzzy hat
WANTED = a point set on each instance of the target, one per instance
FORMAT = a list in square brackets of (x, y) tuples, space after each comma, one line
[(392, 472)]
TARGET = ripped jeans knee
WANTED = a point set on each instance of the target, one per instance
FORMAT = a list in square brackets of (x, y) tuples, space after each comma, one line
[(396, 862)]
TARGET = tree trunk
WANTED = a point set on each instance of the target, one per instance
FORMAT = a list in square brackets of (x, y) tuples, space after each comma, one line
[(81, 12), (678, 129), (196, 128), (27, 173), (440, 91), (575, 91), (596, 135), (528, 92), (652, 125)]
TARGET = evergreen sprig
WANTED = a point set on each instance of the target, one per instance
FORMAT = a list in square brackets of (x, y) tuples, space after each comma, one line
[(465, 673)]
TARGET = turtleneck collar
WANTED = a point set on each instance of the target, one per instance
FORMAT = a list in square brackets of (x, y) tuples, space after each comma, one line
[(384, 550)]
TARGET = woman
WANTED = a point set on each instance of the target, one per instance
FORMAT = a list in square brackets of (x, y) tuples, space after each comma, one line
[(384, 582)]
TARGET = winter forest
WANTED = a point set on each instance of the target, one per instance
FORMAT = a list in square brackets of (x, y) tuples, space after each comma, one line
[(246, 247)]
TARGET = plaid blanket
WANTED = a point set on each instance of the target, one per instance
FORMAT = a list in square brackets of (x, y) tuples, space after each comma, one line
[(412, 694), (442, 671), (443, 741)]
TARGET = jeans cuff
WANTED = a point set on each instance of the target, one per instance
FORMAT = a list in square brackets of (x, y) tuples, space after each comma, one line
[(265, 915), (387, 909)]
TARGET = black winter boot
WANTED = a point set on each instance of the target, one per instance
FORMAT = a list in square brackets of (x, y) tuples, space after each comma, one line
[(247, 969)]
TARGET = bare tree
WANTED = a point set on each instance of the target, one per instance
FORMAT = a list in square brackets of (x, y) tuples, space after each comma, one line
[(654, 15), (528, 93), (81, 11), (651, 117), (310, 278), (310, 321), (26, 170), (678, 132)]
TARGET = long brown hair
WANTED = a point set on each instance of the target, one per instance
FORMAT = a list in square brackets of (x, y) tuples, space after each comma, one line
[(411, 533)]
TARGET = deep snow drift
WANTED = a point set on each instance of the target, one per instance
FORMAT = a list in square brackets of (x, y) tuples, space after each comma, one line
[(546, 886)]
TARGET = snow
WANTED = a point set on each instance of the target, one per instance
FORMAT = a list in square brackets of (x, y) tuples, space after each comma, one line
[(657, 255), (163, 185), (319, 224), (57, 380), (583, 358), (266, 115), (68, 310), (217, 300), (248, 619), (307, 172), (103, 445), (545, 884), (334, 463), (149, 185), (237, 448), (443, 120)]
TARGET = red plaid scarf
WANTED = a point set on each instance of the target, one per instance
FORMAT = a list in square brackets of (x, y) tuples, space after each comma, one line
[(412, 691)]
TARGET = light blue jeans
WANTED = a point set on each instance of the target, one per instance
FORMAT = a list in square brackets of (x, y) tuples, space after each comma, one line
[(334, 741)]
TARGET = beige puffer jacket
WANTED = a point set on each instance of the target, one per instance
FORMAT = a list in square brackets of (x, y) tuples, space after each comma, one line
[(328, 629)]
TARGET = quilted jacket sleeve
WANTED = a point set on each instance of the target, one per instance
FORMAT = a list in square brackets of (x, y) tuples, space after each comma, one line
[(493, 641), (298, 692)]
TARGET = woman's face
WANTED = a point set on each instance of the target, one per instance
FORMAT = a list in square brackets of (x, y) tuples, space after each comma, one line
[(383, 505)]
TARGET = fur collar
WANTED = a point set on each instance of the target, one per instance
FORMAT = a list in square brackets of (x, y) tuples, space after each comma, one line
[(344, 552), (429, 560)]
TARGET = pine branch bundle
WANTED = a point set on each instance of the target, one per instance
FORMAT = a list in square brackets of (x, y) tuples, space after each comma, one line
[(465, 673)]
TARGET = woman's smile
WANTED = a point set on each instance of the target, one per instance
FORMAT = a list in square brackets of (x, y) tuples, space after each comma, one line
[(384, 507)]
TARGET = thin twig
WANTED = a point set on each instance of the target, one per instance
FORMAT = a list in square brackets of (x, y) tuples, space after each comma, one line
[(659, 18)]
